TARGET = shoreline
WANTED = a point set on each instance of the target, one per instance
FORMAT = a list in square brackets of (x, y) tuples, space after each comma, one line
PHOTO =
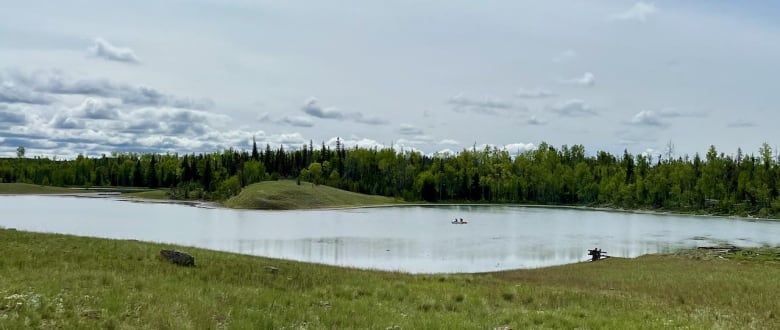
[(120, 196)]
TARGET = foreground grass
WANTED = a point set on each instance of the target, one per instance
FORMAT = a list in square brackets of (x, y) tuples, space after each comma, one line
[(58, 281), (286, 194), (26, 188)]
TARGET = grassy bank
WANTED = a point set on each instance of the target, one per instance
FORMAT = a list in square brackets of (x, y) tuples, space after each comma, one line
[(157, 194), (25, 188), (57, 281), (286, 194)]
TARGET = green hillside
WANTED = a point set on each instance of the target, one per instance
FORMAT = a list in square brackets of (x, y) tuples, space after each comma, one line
[(287, 195)]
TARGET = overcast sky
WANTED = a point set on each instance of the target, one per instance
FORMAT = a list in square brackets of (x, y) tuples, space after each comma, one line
[(94, 77)]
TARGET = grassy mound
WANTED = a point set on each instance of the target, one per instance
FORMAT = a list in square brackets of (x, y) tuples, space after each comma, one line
[(287, 195), (57, 281), (26, 188)]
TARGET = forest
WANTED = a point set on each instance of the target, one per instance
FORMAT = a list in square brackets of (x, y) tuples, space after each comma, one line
[(740, 184)]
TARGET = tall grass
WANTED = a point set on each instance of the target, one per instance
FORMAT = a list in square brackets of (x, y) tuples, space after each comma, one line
[(58, 281)]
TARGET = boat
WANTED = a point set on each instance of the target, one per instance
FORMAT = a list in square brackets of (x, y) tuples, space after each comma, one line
[(461, 222)]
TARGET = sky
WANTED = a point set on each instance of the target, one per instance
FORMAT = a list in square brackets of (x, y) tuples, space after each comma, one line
[(96, 77)]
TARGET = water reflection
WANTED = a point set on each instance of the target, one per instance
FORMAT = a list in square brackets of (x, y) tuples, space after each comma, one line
[(413, 239)]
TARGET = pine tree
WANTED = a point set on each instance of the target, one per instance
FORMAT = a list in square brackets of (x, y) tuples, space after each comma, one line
[(255, 154)]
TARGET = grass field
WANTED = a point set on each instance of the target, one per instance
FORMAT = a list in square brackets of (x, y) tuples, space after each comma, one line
[(25, 188), (286, 194), (56, 281)]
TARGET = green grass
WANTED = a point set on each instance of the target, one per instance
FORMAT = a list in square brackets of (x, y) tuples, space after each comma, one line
[(57, 281), (25, 188), (158, 194), (286, 195)]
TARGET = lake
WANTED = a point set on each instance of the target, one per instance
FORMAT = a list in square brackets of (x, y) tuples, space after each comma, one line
[(416, 239)]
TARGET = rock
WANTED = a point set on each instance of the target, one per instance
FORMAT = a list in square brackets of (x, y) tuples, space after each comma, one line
[(178, 257), (272, 269)]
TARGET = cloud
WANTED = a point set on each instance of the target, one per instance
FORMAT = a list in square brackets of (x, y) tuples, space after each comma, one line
[(290, 140), (313, 108), (407, 129), (673, 113), (105, 50), (52, 82), (487, 106), (171, 121), (519, 147), (298, 121), (573, 108), (639, 12), (97, 109), (354, 141), (11, 93), (63, 121), (415, 140), (449, 142), (536, 93), (655, 118), (587, 80), (535, 121), (370, 120), (8, 117), (647, 118), (741, 124), (565, 56)]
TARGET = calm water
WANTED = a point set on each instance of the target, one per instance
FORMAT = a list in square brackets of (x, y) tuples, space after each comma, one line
[(412, 239)]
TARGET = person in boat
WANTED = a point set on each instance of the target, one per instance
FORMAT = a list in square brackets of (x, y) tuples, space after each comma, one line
[(461, 220)]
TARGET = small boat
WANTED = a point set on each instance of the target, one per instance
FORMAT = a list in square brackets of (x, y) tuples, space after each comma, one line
[(461, 222)]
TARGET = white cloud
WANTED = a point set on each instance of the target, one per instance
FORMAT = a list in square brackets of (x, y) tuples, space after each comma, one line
[(93, 108), (298, 121), (587, 80), (488, 106), (353, 141), (573, 108), (407, 129), (105, 50), (655, 118), (565, 56), (449, 142), (535, 121), (63, 121), (639, 12), (369, 120), (519, 147), (536, 93), (647, 118)]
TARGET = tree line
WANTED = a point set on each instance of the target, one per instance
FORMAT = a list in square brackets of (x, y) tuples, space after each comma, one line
[(717, 183)]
